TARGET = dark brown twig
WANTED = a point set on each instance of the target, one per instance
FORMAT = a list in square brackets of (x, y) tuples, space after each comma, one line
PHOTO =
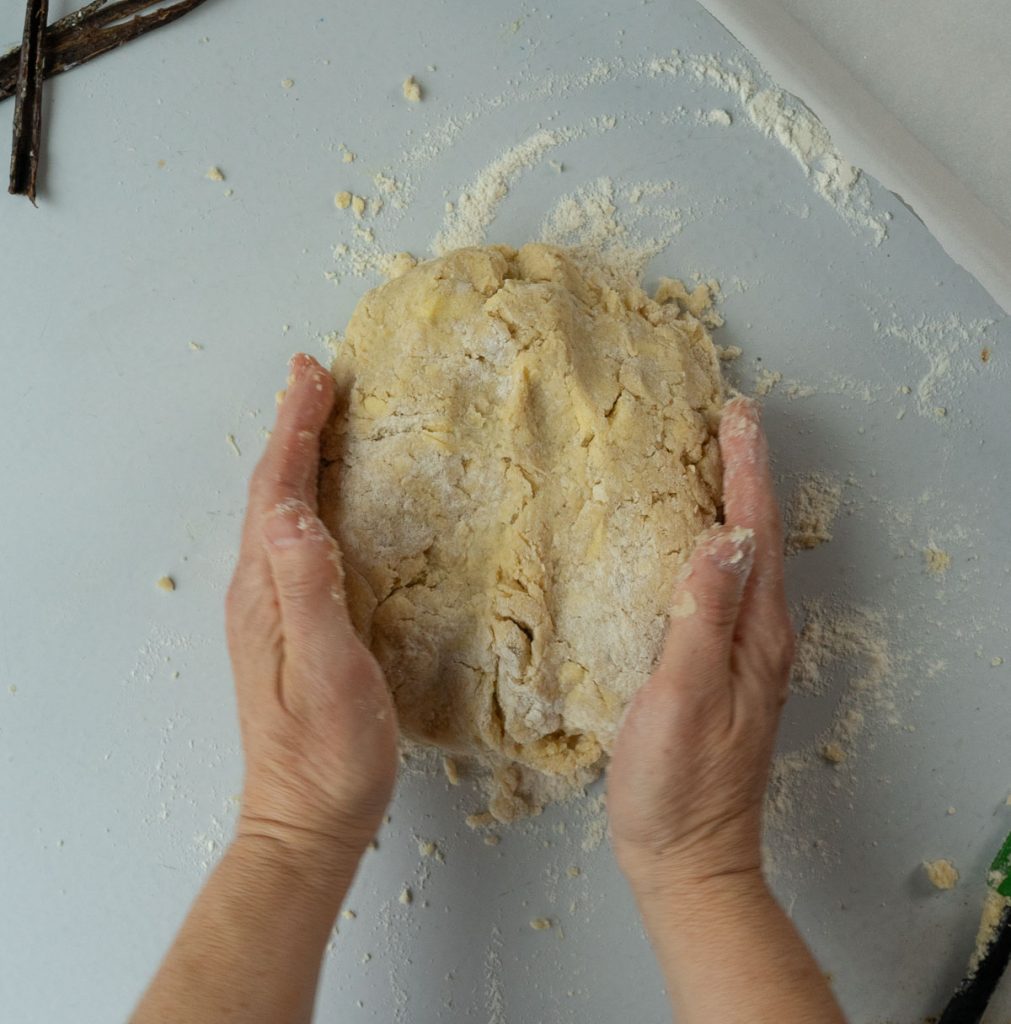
[(28, 102), (96, 28)]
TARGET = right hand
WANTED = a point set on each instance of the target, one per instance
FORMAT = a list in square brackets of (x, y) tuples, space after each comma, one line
[(691, 762), (318, 723)]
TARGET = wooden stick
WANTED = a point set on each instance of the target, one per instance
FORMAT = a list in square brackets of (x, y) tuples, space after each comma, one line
[(28, 102), (96, 28)]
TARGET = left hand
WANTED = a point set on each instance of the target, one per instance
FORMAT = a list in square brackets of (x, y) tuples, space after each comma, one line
[(318, 724)]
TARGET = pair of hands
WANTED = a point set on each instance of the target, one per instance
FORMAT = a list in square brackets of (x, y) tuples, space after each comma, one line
[(690, 765)]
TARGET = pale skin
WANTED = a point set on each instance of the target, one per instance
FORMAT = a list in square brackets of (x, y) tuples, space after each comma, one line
[(685, 784)]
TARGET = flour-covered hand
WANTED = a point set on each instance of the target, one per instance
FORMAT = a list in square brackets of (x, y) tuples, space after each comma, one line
[(318, 725), (691, 761)]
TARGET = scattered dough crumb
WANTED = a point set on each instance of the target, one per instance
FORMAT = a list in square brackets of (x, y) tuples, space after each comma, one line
[(720, 117), (540, 924), (233, 444), (349, 915), (358, 206), (449, 766), (574, 872), (728, 353), (766, 381), (229, 192), (938, 561), (810, 512), (215, 174), (941, 873), (833, 753), (287, 83), (427, 848), (996, 662), (482, 819), (195, 346), (167, 584), (342, 200), (950, 811), (406, 896), (412, 91), (493, 840)]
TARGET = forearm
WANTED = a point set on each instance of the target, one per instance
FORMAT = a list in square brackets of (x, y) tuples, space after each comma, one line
[(251, 947), (730, 954)]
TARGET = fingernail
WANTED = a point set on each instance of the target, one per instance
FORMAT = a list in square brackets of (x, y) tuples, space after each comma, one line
[(297, 366), (284, 529)]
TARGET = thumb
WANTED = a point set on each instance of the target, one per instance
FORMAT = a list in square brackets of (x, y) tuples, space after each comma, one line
[(706, 606), (308, 576)]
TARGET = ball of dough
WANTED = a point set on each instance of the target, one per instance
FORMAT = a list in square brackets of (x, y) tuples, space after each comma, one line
[(524, 452)]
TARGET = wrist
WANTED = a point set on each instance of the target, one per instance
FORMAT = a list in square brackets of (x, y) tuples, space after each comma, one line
[(684, 910), (690, 885), (315, 870)]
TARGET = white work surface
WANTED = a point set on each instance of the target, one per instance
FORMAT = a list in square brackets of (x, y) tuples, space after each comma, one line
[(917, 94), (117, 777)]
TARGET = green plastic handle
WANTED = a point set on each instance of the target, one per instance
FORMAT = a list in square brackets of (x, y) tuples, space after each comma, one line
[(1001, 869)]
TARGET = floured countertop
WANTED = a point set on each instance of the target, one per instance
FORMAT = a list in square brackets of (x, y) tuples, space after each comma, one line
[(197, 226), (916, 96)]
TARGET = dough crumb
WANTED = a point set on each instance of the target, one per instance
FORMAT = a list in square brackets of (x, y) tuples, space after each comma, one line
[(167, 584), (950, 811), (411, 89), (996, 662), (399, 264), (728, 353), (342, 200), (450, 767), (427, 848), (941, 873), (720, 117), (215, 174), (766, 381), (349, 915), (195, 346), (540, 924), (482, 819), (491, 839), (406, 896), (938, 562), (810, 512), (358, 206), (574, 872), (833, 753), (287, 83), (233, 444), (699, 302)]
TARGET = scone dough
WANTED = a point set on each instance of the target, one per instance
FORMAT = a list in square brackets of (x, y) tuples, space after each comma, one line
[(524, 452)]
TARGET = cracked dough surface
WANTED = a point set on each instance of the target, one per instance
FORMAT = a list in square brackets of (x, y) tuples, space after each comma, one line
[(523, 454)]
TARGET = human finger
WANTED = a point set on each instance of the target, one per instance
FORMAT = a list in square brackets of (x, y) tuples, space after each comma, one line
[(706, 607)]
